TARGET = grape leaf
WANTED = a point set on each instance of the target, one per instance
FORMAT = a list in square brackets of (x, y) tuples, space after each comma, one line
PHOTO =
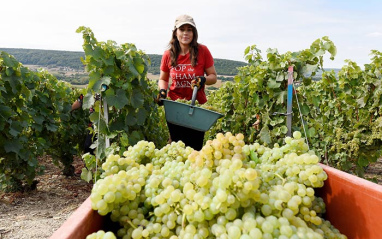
[(118, 100), (254, 156), (273, 84), (86, 175), (12, 146), (141, 116), (137, 99), (265, 135)]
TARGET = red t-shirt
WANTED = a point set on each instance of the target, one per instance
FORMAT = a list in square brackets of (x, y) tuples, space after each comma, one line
[(183, 73)]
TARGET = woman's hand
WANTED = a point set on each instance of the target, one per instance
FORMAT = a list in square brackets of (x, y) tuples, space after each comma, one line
[(199, 82), (162, 95)]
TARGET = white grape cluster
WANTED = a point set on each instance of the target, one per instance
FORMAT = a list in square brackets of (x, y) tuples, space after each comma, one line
[(175, 151), (226, 190), (101, 234), (140, 153)]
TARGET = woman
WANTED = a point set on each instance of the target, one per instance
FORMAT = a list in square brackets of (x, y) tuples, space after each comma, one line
[(188, 64)]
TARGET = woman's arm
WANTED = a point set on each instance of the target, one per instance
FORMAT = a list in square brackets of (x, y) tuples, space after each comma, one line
[(163, 80), (211, 77), (76, 105)]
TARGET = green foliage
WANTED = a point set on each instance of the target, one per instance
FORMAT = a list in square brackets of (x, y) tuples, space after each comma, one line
[(344, 112), (132, 113), (36, 117), (34, 109), (91, 167), (340, 113), (260, 88)]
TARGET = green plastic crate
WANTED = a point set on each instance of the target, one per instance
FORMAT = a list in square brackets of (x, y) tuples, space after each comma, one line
[(190, 116)]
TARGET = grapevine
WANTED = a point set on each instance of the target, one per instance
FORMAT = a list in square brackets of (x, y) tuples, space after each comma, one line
[(35, 120), (345, 119), (118, 73), (338, 111)]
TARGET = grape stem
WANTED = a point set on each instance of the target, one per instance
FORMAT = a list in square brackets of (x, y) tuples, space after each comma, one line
[(278, 175), (177, 209), (235, 196), (131, 224), (184, 221)]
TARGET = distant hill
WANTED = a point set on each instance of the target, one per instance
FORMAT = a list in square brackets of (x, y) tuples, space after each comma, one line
[(71, 59), (47, 57)]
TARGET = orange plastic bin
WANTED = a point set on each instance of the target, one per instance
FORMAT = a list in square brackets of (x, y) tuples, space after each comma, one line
[(353, 205), (81, 223)]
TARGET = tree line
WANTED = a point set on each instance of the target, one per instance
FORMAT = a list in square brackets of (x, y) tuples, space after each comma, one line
[(72, 59)]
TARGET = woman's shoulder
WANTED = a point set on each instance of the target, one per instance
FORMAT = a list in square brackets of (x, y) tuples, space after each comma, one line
[(203, 50), (202, 47), (166, 52)]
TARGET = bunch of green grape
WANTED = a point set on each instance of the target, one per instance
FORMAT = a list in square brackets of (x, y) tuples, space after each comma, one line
[(140, 153), (101, 234), (175, 151), (226, 190)]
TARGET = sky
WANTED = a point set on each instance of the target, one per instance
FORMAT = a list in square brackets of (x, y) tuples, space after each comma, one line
[(226, 27)]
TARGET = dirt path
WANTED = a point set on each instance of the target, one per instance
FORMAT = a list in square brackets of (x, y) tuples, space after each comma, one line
[(39, 213), (374, 172)]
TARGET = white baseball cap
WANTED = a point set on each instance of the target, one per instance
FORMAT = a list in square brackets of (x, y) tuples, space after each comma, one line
[(184, 19)]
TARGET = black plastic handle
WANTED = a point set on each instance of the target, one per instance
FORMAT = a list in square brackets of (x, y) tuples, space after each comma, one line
[(194, 93)]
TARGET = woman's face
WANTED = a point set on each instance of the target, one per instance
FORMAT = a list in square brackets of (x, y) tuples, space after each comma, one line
[(185, 34)]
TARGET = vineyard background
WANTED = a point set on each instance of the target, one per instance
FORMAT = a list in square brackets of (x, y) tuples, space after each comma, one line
[(258, 88)]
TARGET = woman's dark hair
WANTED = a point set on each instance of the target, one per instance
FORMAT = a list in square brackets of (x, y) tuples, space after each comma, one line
[(175, 48)]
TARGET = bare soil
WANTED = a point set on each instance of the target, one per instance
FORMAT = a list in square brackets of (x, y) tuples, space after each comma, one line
[(37, 214), (374, 172)]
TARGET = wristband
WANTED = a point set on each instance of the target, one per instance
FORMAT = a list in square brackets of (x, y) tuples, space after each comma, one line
[(163, 93)]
